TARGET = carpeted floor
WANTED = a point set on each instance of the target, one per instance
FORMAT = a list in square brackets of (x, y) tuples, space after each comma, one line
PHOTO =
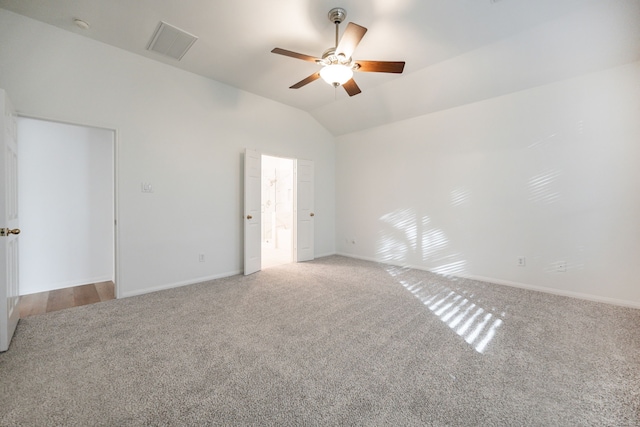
[(336, 341)]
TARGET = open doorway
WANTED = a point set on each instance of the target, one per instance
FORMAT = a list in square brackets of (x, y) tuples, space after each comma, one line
[(299, 202), (277, 208), (67, 205)]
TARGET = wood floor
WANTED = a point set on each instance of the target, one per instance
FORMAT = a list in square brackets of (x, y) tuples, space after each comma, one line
[(46, 302)]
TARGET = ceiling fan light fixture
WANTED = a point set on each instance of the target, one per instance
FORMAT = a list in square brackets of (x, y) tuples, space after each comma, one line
[(337, 61), (336, 74)]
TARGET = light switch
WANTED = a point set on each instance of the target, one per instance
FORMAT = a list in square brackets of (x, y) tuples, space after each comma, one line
[(147, 187)]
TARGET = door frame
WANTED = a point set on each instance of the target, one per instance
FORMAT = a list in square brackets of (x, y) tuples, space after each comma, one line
[(295, 160), (116, 180), (295, 201)]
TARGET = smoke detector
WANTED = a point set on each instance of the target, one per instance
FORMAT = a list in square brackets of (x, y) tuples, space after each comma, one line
[(81, 24)]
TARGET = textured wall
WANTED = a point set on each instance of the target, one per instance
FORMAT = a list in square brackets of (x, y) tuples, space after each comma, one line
[(549, 173)]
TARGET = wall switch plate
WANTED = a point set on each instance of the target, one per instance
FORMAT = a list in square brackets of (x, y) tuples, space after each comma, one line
[(201, 257), (522, 261), (147, 187)]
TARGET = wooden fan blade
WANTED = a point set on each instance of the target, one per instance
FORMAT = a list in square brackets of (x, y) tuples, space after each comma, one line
[(295, 55), (350, 39), (312, 77), (351, 87), (380, 66)]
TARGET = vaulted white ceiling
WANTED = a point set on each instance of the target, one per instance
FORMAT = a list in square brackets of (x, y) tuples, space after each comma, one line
[(456, 51)]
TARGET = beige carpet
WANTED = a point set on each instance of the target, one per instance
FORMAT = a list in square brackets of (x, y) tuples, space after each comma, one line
[(336, 341)]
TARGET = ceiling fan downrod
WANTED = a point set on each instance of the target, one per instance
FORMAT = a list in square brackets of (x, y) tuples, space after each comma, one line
[(337, 15)]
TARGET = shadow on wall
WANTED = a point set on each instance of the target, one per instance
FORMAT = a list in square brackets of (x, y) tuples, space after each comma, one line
[(405, 236)]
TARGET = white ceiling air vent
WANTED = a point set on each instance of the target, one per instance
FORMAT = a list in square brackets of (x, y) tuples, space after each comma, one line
[(171, 41)]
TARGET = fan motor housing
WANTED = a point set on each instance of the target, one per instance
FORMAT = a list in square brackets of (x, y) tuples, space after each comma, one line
[(329, 57)]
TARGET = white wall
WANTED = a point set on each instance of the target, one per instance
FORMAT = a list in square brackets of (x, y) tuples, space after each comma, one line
[(182, 133), (66, 205), (549, 173)]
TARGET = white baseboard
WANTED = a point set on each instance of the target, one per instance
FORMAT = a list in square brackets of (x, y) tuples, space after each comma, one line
[(188, 282), (178, 284), (553, 291), (324, 255), (571, 294), (68, 284), (364, 258)]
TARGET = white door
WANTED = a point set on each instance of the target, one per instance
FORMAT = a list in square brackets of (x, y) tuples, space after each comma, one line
[(9, 292), (305, 215), (252, 211)]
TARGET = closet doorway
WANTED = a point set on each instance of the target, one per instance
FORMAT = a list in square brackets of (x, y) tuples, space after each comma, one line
[(66, 199), (277, 208)]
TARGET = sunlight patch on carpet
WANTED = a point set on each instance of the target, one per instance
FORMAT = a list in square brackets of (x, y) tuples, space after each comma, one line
[(460, 311)]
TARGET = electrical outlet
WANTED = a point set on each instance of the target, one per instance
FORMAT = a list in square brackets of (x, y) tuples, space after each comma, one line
[(201, 257), (522, 261), (561, 266)]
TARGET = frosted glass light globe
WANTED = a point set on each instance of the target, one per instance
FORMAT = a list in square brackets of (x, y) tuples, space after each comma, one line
[(336, 74)]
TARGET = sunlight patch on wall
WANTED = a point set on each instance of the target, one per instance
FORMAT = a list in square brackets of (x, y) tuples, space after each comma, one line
[(405, 222), (433, 241), (543, 187), (398, 238), (407, 238), (451, 269), (545, 141), (460, 196), (459, 309)]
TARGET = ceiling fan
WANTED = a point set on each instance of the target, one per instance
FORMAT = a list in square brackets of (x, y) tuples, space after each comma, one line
[(337, 64)]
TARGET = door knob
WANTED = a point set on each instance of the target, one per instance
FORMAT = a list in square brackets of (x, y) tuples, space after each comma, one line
[(312, 214), (7, 231), (249, 217)]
